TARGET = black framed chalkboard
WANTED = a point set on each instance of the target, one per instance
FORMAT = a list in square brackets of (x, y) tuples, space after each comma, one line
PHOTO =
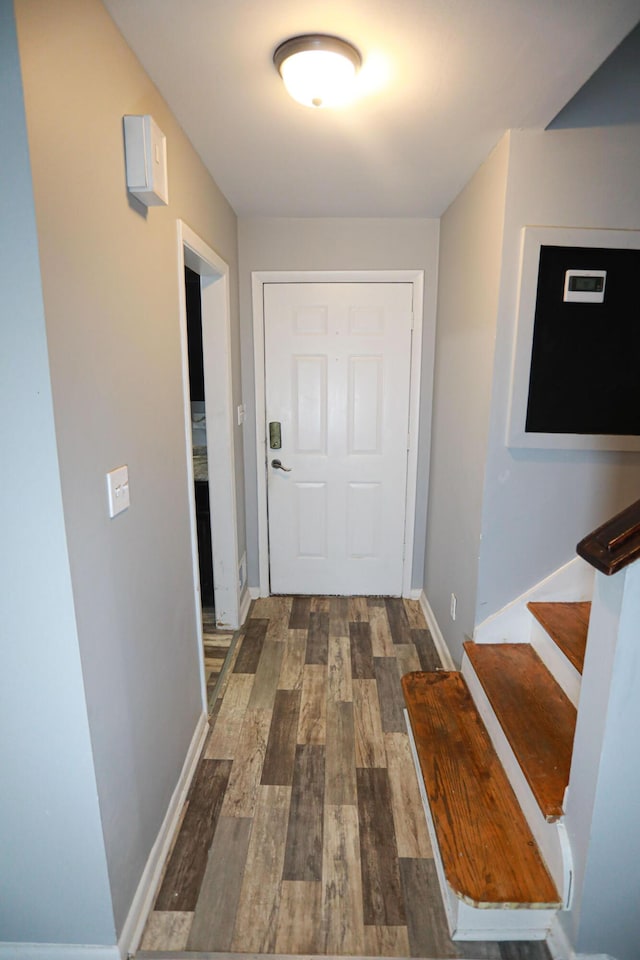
[(585, 358)]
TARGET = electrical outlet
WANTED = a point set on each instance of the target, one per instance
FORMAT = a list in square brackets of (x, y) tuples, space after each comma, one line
[(454, 603)]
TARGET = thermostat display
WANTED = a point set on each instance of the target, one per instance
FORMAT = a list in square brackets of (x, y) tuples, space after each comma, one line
[(584, 286)]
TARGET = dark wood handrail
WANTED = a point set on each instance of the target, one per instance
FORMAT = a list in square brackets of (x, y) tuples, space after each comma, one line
[(615, 544)]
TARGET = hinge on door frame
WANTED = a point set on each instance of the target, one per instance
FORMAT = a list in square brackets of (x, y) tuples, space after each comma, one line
[(413, 317)]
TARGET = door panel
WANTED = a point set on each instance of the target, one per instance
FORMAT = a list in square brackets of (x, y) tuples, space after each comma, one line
[(337, 372), (310, 511), (363, 507), (365, 404), (309, 394)]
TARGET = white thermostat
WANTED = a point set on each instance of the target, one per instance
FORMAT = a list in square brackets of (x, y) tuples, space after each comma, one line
[(584, 286), (146, 159)]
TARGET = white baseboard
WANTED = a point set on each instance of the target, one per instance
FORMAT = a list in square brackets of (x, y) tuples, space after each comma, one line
[(143, 899), (57, 951), (415, 593), (558, 942), (561, 949), (245, 603), (255, 593), (436, 633), (573, 581)]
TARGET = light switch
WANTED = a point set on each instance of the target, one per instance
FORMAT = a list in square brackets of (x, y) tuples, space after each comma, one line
[(118, 490)]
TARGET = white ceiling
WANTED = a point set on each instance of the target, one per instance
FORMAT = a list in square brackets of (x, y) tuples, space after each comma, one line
[(458, 74)]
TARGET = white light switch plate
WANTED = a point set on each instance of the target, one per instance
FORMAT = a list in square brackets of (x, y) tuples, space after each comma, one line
[(118, 490)]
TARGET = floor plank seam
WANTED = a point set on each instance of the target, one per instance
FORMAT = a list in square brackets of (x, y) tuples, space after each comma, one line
[(304, 834)]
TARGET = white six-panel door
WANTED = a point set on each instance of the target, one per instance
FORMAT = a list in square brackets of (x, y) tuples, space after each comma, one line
[(337, 379)]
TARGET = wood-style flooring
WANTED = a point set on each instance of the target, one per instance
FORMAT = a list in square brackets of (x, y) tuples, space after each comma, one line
[(218, 645), (303, 832)]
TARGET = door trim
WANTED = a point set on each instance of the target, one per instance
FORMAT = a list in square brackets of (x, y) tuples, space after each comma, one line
[(258, 279), (216, 348)]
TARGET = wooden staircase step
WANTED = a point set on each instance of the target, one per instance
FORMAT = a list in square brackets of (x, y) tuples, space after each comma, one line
[(567, 625), (488, 852), (537, 717)]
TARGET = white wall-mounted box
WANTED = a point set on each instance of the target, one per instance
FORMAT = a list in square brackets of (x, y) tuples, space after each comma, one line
[(145, 148)]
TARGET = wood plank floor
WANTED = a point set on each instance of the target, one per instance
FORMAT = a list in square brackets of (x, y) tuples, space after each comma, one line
[(218, 646), (303, 832)]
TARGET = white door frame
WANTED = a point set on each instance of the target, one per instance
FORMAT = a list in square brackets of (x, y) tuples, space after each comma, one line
[(216, 350), (259, 279)]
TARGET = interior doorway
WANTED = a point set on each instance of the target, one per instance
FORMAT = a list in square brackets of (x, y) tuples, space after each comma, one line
[(265, 449), (199, 440), (216, 644), (214, 465)]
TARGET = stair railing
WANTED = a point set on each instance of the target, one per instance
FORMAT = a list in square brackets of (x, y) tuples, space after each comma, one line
[(615, 544)]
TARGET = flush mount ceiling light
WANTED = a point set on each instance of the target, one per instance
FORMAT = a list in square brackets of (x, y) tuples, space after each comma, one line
[(318, 70)]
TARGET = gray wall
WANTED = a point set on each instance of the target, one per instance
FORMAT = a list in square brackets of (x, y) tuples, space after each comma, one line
[(53, 881), (602, 805), (611, 97), (110, 283), (468, 285), (337, 244), (539, 503)]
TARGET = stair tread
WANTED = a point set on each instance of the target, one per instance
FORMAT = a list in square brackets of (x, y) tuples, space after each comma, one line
[(537, 717), (567, 625), (488, 852)]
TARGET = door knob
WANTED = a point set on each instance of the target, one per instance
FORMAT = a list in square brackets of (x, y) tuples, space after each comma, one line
[(277, 465)]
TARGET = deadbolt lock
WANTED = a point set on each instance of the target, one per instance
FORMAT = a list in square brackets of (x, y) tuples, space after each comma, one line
[(275, 435)]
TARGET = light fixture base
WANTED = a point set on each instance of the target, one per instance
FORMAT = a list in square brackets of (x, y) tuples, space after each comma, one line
[(318, 69), (323, 42)]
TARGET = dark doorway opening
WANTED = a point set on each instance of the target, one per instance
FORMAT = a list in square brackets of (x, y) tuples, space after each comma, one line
[(199, 438)]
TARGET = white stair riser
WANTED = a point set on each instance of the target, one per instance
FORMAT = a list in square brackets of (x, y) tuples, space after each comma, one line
[(572, 582), (550, 837), (472, 923), (562, 670)]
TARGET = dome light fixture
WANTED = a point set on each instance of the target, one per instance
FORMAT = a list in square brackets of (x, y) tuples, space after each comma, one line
[(317, 69)]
